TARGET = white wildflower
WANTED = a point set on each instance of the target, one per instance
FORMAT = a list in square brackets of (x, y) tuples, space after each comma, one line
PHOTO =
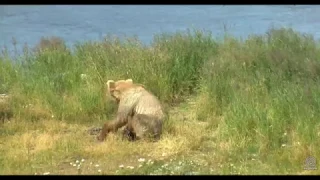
[(165, 165), (150, 161), (83, 76), (130, 167)]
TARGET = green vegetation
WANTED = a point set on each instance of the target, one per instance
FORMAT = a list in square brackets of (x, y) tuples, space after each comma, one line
[(236, 106)]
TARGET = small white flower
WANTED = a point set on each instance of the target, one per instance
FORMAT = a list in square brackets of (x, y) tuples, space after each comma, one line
[(82, 160), (121, 166), (99, 170), (165, 165), (141, 159), (46, 173), (71, 163), (74, 165), (149, 161), (83, 76), (77, 161), (97, 165), (130, 167), (139, 166)]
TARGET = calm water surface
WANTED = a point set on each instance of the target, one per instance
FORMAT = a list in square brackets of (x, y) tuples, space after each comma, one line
[(76, 23)]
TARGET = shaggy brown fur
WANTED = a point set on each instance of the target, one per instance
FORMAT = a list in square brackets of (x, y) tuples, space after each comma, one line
[(139, 110)]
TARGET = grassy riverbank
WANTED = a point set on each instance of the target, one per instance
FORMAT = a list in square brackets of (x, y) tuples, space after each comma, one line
[(236, 106)]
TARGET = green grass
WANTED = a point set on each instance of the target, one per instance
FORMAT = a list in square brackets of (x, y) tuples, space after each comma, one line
[(236, 106)]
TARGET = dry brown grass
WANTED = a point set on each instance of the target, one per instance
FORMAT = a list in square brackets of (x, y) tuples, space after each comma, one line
[(50, 146), (188, 146)]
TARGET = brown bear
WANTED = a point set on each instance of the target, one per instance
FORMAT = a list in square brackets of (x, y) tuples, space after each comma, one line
[(139, 111)]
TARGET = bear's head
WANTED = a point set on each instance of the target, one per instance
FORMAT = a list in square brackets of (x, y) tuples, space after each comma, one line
[(115, 88)]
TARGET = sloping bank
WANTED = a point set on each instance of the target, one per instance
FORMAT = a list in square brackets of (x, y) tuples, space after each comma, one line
[(261, 93)]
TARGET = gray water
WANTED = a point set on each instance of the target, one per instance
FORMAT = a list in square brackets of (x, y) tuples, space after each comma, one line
[(77, 23)]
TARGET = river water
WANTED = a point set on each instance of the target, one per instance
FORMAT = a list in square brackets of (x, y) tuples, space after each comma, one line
[(77, 23)]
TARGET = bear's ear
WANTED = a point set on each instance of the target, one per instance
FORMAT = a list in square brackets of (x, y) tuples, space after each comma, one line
[(129, 80), (116, 94), (110, 85)]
